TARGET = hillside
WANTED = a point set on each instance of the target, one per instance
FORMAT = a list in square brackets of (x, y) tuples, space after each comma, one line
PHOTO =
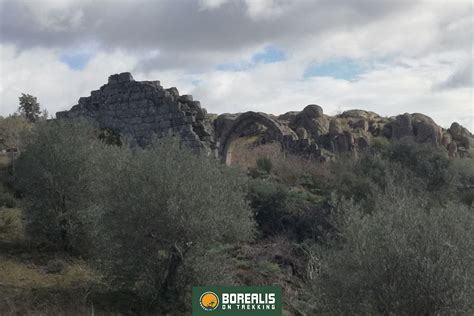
[(103, 211)]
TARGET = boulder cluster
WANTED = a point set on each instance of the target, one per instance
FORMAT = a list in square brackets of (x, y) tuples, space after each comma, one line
[(140, 110), (355, 130)]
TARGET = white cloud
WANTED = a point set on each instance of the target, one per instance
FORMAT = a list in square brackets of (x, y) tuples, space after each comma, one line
[(255, 8), (266, 8), (421, 52), (40, 73), (211, 4), (400, 87)]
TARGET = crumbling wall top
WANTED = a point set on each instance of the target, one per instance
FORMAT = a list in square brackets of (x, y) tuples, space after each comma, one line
[(120, 78)]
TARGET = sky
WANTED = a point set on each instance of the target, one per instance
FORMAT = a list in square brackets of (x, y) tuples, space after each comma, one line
[(274, 56)]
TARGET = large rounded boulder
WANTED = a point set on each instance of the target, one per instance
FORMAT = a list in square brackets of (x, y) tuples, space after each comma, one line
[(461, 135), (425, 129), (313, 120)]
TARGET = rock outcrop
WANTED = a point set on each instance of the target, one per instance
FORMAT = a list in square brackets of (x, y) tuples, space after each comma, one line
[(139, 110)]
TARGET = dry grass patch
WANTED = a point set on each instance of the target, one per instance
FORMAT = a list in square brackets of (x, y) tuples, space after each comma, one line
[(16, 274), (12, 228), (4, 160), (36, 281)]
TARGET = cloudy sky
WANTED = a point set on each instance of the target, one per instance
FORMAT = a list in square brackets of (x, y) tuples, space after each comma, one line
[(387, 56)]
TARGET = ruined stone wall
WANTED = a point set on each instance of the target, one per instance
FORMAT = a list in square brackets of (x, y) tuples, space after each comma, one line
[(139, 110)]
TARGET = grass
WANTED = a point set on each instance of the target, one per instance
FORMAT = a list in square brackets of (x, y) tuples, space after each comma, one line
[(300, 193), (471, 153), (4, 160), (31, 285), (27, 275), (245, 151), (28, 285), (11, 225)]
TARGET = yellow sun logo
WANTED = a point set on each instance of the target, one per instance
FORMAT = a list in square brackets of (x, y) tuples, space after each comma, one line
[(209, 301)]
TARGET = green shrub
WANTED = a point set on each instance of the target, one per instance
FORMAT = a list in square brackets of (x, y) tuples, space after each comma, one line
[(54, 174), (294, 213), (405, 258), (264, 164), (471, 153), (110, 136), (427, 162), (269, 202), (380, 143), (347, 179), (462, 172), (163, 208), (13, 131), (362, 179), (6, 223), (6, 198), (462, 179), (424, 169), (294, 170)]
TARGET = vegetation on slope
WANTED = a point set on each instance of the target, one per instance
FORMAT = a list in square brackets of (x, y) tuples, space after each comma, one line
[(133, 229)]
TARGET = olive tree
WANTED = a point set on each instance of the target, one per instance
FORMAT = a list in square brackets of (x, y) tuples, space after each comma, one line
[(163, 208), (405, 258), (30, 108), (55, 176), (13, 130)]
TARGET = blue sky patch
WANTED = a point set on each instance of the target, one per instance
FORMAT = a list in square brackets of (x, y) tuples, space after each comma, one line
[(340, 68), (75, 61), (270, 54), (233, 66)]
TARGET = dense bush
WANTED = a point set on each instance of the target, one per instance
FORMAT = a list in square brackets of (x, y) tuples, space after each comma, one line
[(157, 219), (55, 176), (462, 173), (293, 170), (13, 131), (6, 198), (264, 164), (405, 258), (426, 161), (297, 214), (154, 219), (269, 201), (162, 209), (362, 179)]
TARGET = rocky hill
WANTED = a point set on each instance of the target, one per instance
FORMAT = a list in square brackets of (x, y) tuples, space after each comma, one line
[(138, 110)]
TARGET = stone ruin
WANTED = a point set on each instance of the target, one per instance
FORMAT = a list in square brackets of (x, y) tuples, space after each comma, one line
[(141, 110)]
